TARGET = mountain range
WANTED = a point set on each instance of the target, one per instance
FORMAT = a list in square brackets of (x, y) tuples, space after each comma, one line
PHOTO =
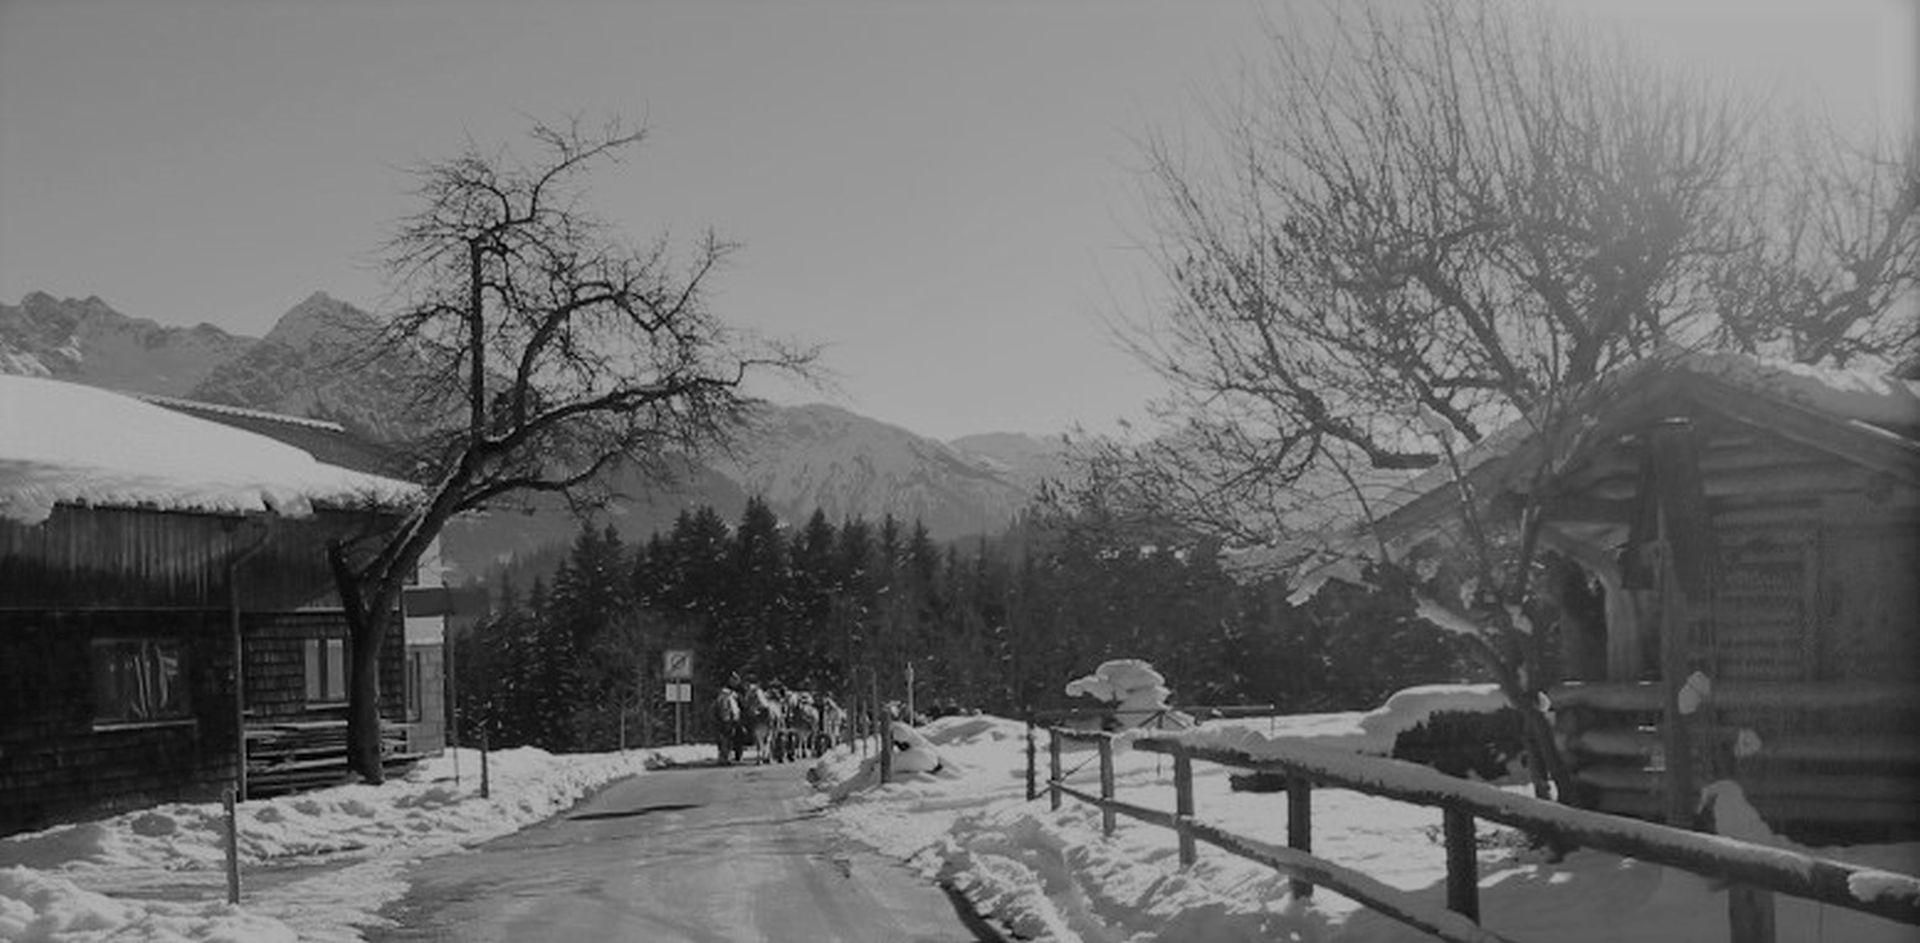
[(798, 458)]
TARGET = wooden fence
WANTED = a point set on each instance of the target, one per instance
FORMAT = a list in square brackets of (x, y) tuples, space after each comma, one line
[(1754, 872)]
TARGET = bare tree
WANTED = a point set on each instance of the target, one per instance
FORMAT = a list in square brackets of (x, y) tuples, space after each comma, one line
[(1831, 248), (554, 353), (1434, 222)]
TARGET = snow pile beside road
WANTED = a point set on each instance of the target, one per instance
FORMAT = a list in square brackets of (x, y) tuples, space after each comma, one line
[(1053, 875), (159, 874), (38, 906)]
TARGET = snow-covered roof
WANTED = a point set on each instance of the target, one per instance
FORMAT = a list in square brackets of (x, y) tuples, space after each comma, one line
[(67, 443), (1866, 396), (194, 405), (1868, 400)]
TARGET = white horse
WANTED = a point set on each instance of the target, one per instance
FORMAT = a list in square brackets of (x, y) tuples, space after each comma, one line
[(767, 718)]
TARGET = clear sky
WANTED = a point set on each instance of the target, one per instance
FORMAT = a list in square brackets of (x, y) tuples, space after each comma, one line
[(945, 193)]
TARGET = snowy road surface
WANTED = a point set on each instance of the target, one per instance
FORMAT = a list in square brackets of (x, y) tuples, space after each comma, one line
[(697, 854)]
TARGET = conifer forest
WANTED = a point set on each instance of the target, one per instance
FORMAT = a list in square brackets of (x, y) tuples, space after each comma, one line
[(572, 661)]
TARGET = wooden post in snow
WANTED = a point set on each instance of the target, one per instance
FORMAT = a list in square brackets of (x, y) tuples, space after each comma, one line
[(1033, 789), (233, 848), (1107, 815), (1463, 864), (486, 782), (1300, 826), (1053, 770), (1183, 804)]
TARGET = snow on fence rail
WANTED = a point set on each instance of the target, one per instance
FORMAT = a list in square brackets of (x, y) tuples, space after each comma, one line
[(1755, 868)]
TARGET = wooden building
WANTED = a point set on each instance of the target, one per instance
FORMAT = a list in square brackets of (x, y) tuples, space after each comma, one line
[(163, 592), (1749, 535), (426, 603)]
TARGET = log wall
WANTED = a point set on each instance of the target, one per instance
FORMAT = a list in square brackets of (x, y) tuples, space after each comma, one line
[(1814, 594)]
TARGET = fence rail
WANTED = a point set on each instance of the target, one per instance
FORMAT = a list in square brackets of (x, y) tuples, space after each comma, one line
[(1756, 871)]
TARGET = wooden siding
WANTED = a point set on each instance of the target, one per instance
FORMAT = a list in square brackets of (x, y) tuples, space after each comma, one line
[(122, 557), (56, 764), (98, 573), (112, 557), (276, 665), (427, 733)]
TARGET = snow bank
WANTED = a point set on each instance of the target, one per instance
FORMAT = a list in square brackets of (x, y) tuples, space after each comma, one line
[(63, 442), (36, 906), (1054, 876), (1410, 707), (1370, 732), (124, 878)]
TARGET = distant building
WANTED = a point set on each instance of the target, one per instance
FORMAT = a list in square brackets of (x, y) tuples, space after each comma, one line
[(167, 618)]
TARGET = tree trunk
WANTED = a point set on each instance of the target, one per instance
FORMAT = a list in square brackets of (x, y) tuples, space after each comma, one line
[(363, 695), (365, 635), (1545, 765)]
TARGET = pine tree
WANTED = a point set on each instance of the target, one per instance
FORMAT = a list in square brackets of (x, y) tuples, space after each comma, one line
[(815, 586), (757, 633)]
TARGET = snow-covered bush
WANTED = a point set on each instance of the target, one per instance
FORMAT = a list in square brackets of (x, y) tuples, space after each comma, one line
[(1135, 693), (1462, 743)]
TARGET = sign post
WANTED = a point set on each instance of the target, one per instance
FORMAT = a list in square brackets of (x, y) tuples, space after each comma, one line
[(677, 667)]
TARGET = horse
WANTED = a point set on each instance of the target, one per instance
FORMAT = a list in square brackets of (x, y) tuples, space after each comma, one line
[(766, 717), (805, 721), (795, 708), (729, 730)]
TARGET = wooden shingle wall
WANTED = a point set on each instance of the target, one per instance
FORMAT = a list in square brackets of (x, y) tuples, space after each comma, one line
[(57, 763), (276, 665)]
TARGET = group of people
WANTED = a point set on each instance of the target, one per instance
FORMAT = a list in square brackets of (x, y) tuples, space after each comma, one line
[(781, 724)]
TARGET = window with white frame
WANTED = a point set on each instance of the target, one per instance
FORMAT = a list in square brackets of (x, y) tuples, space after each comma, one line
[(137, 680), (326, 660), (416, 677)]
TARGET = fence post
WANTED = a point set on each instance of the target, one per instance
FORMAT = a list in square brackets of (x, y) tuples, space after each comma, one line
[(1053, 769), (1183, 802), (1033, 789), (1300, 826), (486, 782), (886, 750), (1750, 914), (1106, 786), (1463, 864), (233, 848)]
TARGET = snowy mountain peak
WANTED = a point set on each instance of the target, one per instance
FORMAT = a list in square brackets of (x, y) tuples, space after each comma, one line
[(87, 341), (320, 319), (822, 456)]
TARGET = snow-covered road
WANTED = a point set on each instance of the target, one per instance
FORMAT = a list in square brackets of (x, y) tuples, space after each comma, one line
[(697, 853)]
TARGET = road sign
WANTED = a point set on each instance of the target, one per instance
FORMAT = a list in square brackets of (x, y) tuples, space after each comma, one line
[(679, 664), (679, 692)]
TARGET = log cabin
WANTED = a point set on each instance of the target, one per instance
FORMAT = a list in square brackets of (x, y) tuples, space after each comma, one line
[(1745, 536), (164, 600)]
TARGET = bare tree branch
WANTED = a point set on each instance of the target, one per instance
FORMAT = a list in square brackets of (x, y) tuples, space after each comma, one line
[(553, 354)]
